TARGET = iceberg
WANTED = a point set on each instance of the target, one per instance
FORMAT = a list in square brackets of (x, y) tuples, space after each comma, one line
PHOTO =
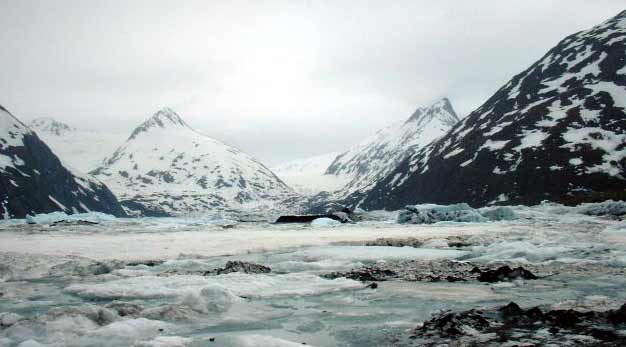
[(324, 222), (432, 213), (605, 208), (499, 213), (55, 217)]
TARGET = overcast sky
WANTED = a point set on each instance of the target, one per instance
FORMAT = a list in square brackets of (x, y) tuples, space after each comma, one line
[(278, 79)]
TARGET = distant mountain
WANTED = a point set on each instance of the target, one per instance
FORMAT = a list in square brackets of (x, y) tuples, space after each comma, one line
[(307, 176), (33, 180), (50, 126), (364, 164), (167, 168), (556, 131), (80, 148)]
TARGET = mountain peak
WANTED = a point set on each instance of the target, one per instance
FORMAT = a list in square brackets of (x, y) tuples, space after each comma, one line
[(164, 118), (50, 125), (441, 108)]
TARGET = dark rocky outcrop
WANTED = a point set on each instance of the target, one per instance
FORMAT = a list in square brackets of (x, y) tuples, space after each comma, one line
[(512, 325), (309, 218), (504, 273), (240, 266), (440, 271)]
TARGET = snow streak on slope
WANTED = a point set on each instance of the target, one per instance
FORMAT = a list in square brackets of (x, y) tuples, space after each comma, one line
[(307, 176), (33, 179), (167, 168), (50, 126), (556, 131), (378, 155), (80, 148)]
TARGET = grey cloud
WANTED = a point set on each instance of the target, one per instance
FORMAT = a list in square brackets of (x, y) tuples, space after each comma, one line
[(279, 79)]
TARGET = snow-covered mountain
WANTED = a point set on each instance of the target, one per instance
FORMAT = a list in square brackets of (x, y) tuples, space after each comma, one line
[(362, 165), (556, 131), (379, 154), (50, 125), (33, 180), (80, 148), (307, 176), (167, 168)]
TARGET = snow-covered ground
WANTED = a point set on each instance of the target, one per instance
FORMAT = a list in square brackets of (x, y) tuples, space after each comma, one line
[(144, 282)]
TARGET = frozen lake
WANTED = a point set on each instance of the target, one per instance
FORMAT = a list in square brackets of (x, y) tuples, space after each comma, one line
[(144, 282)]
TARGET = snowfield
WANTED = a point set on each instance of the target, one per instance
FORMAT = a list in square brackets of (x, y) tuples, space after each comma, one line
[(165, 281)]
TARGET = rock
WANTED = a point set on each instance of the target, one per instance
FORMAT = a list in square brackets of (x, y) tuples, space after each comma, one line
[(515, 326), (125, 309), (436, 271), (367, 274), (240, 266), (8, 319), (505, 273), (512, 310), (458, 242), (390, 242), (618, 316), (71, 222), (306, 218), (454, 324), (603, 334), (148, 263), (563, 318)]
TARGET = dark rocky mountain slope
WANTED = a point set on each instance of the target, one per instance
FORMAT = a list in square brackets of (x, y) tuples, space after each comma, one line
[(556, 131), (34, 180)]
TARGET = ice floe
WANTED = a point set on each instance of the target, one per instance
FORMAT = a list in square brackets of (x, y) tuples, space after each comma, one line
[(243, 285)]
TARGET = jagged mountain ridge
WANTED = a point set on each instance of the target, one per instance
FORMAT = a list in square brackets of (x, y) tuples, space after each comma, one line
[(556, 131), (80, 148), (364, 164), (50, 125), (379, 154), (167, 168), (33, 179)]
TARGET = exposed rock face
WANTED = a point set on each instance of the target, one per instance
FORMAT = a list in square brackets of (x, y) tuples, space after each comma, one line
[(364, 164), (240, 266), (511, 325), (504, 273), (443, 271), (167, 168), (556, 131), (33, 180)]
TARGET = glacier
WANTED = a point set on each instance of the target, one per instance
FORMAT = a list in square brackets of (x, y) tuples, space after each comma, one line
[(145, 281)]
